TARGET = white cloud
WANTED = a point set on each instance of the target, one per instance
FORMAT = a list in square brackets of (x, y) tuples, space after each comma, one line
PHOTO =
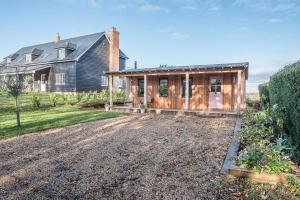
[(152, 8), (189, 7), (93, 3), (180, 36), (275, 20), (289, 6)]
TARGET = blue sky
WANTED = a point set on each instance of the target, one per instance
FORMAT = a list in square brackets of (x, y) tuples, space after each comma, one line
[(174, 32)]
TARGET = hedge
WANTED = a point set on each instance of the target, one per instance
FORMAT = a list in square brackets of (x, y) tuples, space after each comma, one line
[(264, 95), (284, 87)]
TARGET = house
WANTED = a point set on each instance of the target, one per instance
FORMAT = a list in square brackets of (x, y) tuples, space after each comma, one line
[(70, 65), (210, 88)]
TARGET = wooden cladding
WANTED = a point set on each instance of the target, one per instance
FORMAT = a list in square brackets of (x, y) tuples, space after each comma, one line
[(199, 100)]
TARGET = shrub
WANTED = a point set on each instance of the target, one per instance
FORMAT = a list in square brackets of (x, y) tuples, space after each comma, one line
[(284, 89), (66, 99), (104, 96), (53, 99), (264, 157), (35, 100), (79, 97), (119, 95), (264, 95)]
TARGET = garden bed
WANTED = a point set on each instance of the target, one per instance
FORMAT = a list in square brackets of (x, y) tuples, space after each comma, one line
[(262, 152)]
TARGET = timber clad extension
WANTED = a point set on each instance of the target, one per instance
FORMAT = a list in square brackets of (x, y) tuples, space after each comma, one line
[(219, 87)]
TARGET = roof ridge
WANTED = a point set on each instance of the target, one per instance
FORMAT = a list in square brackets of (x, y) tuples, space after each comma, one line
[(64, 40)]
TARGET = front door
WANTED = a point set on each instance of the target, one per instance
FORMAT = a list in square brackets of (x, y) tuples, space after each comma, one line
[(43, 82), (215, 93)]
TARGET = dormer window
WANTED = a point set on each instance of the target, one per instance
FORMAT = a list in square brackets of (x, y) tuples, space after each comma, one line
[(61, 53), (8, 60), (64, 49), (11, 58), (28, 58)]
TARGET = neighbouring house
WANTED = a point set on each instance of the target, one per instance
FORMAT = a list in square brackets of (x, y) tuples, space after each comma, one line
[(70, 65), (214, 87)]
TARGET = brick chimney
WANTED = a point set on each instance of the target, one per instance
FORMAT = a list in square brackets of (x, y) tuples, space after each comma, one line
[(57, 38), (114, 62)]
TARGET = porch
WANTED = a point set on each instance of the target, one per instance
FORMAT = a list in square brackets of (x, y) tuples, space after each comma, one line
[(207, 91)]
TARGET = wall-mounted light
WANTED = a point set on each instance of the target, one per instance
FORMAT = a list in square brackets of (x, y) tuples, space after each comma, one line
[(233, 80)]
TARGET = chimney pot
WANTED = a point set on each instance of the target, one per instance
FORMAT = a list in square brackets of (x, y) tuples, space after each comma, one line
[(57, 38), (135, 64)]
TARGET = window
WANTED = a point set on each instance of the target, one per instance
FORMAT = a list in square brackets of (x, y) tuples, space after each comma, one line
[(8, 60), (104, 81), (61, 53), (60, 79), (141, 87), (215, 85), (163, 87), (28, 58), (120, 82), (190, 87)]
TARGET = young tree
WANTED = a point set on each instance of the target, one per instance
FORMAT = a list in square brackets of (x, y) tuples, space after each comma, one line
[(14, 88)]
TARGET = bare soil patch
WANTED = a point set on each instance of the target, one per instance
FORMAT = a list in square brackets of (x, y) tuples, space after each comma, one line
[(135, 157)]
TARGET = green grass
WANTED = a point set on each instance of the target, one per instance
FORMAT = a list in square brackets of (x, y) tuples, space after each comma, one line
[(42, 119)]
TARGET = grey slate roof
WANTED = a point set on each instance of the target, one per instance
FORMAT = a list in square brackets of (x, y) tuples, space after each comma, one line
[(244, 65), (49, 51), (67, 45)]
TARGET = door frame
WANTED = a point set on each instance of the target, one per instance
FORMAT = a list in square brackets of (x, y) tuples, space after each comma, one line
[(209, 89)]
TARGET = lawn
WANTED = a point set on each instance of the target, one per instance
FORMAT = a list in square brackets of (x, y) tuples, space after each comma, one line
[(46, 118)]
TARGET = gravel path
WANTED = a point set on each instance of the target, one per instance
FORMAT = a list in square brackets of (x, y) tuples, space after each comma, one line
[(135, 157)]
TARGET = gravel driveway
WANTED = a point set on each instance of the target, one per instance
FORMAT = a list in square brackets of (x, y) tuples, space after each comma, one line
[(133, 157)]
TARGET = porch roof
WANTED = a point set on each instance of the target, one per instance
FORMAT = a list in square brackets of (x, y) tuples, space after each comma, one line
[(174, 69), (24, 70)]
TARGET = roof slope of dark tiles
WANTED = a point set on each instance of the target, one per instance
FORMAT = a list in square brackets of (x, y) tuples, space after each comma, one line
[(49, 50)]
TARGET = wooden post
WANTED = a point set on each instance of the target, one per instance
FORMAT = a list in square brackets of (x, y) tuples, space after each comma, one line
[(187, 83), (32, 81), (239, 92), (110, 91), (127, 87), (145, 91)]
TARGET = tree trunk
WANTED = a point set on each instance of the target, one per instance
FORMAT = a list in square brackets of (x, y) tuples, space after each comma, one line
[(17, 113)]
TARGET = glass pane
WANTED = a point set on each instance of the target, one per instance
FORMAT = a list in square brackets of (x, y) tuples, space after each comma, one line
[(163, 87), (212, 88), (218, 82), (140, 87), (218, 88), (213, 81)]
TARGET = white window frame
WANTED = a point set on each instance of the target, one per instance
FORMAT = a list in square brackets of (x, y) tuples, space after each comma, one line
[(120, 82), (104, 81), (8, 60), (28, 58), (61, 53), (60, 79)]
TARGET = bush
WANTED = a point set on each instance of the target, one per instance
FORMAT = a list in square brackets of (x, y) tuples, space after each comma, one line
[(104, 96), (264, 95), (284, 89), (264, 156), (35, 100), (66, 99), (79, 97), (119, 95), (53, 99)]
